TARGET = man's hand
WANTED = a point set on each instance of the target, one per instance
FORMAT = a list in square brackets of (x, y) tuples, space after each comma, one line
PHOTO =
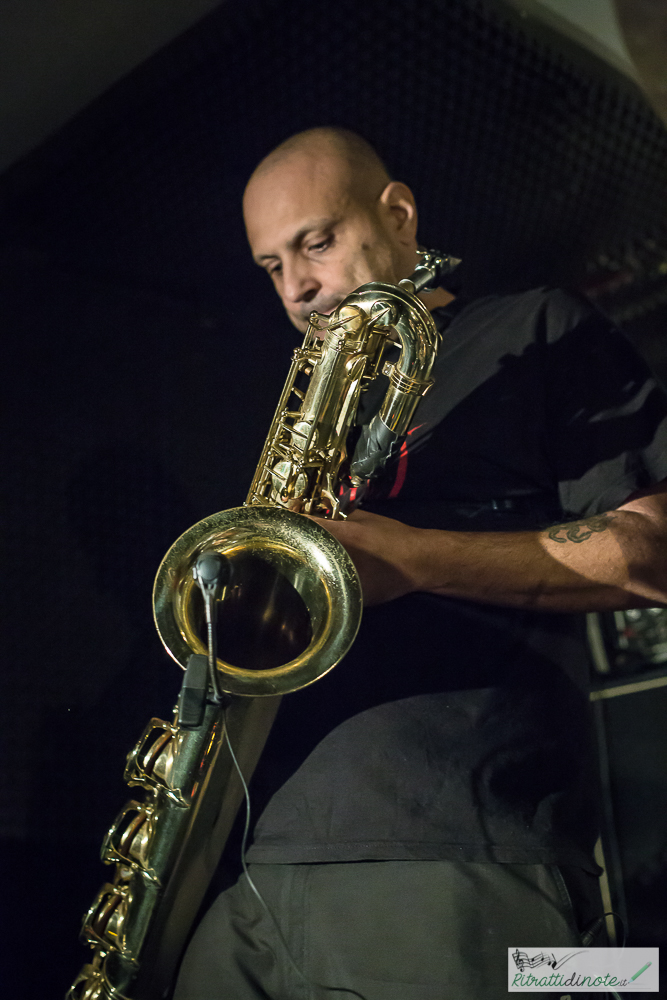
[(384, 552)]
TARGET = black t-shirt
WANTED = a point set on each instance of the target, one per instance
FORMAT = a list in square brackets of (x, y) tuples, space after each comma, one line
[(458, 730)]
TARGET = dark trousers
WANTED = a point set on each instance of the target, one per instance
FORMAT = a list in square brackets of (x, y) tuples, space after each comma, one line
[(384, 930)]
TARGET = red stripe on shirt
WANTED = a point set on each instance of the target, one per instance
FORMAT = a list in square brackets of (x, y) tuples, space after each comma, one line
[(402, 469)]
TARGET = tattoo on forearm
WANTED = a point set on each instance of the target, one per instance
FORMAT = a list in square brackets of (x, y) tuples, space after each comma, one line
[(579, 531)]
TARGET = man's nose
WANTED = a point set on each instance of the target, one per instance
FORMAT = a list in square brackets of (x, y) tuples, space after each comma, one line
[(299, 285)]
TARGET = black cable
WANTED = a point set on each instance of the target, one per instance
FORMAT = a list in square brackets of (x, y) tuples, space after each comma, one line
[(210, 573)]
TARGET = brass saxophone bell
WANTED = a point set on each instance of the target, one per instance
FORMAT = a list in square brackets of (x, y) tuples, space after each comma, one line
[(288, 612)]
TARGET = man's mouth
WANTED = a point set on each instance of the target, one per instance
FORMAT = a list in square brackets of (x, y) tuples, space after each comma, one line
[(325, 310), (329, 307)]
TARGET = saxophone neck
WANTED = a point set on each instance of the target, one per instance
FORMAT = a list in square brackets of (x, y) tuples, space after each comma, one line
[(409, 377), (432, 271), (305, 457)]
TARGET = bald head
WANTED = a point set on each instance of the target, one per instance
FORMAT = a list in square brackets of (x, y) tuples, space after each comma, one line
[(357, 164), (323, 216)]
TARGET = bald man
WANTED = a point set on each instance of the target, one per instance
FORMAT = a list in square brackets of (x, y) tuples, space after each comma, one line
[(323, 217), (438, 806)]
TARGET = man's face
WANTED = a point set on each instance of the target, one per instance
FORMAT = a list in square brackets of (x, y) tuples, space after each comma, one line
[(314, 238)]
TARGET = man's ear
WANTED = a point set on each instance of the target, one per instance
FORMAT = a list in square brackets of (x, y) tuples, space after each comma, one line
[(398, 207)]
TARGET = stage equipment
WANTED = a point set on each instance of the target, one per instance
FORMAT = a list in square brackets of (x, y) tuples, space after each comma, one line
[(252, 603)]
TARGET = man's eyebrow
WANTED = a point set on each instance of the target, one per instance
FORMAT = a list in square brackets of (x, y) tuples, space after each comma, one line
[(297, 239)]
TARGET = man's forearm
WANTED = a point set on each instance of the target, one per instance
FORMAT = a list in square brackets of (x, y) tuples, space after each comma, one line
[(604, 562), (612, 560)]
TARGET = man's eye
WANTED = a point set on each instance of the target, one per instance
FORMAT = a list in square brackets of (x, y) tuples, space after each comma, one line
[(319, 247), (276, 269)]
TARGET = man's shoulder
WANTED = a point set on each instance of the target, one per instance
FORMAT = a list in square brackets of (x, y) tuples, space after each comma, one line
[(559, 304), (538, 314)]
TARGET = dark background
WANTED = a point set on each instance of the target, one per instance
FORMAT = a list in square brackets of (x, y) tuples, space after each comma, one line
[(144, 353)]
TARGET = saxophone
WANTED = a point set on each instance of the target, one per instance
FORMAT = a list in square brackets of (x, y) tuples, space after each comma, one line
[(286, 605)]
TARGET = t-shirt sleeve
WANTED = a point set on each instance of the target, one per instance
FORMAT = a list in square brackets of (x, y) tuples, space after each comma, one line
[(606, 414)]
